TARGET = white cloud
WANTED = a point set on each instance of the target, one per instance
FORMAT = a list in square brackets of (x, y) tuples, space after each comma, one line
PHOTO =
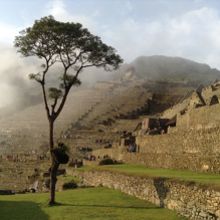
[(195, 35), (58, 9), (7, 33)]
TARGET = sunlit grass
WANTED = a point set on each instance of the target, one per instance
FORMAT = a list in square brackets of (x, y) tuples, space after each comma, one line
[(82, 204)]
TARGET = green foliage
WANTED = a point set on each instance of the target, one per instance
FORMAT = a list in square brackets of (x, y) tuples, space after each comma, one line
[(60, 153), (70, 185), (34, 76), (55, 93), (107, 161), (67, 42), (69, 178), (63, 147), (69, 79), (86, 204)]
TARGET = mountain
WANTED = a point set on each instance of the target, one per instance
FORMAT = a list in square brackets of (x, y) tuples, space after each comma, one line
[(148, 85), (171, 69)]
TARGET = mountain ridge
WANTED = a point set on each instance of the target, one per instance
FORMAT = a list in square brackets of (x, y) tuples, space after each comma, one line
[(159, 67)]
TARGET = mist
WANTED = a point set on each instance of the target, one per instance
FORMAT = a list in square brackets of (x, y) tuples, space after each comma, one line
[(14, 83), (17, 91)]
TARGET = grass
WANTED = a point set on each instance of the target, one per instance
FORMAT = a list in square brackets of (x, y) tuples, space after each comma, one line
[(82, 204), (184, 175), (68, 178)]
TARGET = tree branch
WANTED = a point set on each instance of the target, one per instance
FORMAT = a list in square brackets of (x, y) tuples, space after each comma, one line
[(43, 89), (68, 87), (56, 113), (77, 58), (53, 106), (45, 100), (95, 65)]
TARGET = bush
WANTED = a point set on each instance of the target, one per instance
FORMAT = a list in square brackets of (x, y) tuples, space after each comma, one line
[(70, 185), (107, 161), (60, 153)]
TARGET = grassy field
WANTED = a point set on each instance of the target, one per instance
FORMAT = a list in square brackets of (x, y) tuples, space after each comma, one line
[(140, 170), (82, 204)]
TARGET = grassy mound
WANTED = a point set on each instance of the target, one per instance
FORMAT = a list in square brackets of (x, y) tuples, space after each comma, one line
[(81, 204)]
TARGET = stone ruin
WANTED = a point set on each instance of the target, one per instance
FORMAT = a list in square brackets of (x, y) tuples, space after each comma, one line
[(179, 138), (156, 125)]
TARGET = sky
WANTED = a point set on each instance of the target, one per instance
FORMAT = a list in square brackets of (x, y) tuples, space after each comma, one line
[(184, 28)]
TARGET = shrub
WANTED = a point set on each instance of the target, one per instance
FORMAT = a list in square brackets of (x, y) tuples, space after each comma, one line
[(60, 153), (70, 185), (107, 161)]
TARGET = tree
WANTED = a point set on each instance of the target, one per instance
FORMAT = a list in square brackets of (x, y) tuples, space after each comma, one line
[(72, 47)]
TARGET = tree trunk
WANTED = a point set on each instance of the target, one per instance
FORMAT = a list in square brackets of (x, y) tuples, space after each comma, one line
[(54, 165), (51, 126), (53, 180)]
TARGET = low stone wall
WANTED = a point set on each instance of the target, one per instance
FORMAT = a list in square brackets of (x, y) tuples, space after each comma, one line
[(187, 199), (206, 162), (187, 161)]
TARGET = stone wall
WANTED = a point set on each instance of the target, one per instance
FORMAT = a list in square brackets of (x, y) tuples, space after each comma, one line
[(207, 116), (188, 102), (187, 161), (194, 143), (195, 149), (188, 199), (203, 141), (190, 115), (191, 149), (199, 118), (209, 92)]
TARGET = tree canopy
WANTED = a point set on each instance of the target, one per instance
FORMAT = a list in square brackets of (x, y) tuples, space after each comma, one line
[(67, 43)]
